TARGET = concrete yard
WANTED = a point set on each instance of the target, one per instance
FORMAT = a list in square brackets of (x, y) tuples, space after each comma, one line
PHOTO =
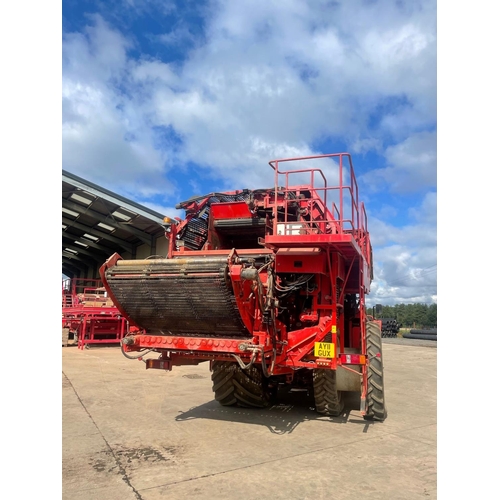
[(132, 433)]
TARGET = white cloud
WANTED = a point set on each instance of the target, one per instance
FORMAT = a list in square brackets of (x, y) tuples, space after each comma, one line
[(411, 166), (165, 210), (405, 258), (363, 145), (285, 75), (105, 137), (427, 212), (178, 36), (97, 55), (271, 79), (154, 72)]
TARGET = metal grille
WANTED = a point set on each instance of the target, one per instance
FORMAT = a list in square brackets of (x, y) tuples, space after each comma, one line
[(184, 297)]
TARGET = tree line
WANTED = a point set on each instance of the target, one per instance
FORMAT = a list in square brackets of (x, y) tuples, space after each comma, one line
[(410, 315)]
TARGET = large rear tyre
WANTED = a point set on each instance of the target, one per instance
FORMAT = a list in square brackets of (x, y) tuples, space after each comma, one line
[(234, 386), (222, 382), (328, 400), (376, 409)]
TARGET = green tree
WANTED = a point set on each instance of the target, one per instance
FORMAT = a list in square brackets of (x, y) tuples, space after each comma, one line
[(431, 320), (412, 315)]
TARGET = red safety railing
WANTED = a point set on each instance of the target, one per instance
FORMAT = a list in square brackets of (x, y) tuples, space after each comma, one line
[(333, 209), (89, 314)]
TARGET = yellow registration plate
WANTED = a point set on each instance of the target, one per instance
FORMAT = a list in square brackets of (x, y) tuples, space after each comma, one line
[(324, 350)]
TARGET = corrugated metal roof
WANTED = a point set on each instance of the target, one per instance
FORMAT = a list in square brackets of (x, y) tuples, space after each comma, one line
[(97, 222)]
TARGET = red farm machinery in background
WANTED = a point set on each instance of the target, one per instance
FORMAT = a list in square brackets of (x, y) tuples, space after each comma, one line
[(89, 315), (268, 286)]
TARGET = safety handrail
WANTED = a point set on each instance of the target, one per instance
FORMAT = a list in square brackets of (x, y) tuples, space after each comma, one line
[(346, 219)]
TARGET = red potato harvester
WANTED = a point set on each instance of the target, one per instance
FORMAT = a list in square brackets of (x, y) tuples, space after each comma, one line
[(268, 286)]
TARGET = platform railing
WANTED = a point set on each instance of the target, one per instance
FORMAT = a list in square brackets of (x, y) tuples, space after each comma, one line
[(89, 314), (347, 216)]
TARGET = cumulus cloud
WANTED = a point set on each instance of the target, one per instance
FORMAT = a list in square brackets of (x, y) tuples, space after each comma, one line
[(267, 79), (427, 212), (411, 166), (104, 135), (283, 76), (406, 257)]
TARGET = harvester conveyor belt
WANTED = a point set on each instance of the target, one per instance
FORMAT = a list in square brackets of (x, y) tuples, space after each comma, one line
[(182, 296)]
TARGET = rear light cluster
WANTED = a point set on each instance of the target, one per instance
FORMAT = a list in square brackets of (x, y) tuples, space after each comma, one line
[(353, 359)]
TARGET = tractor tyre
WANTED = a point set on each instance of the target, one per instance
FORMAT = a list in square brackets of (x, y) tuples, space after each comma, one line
[(328, 400), (234, 386), (251, 387), (376, 409), (222, 382)]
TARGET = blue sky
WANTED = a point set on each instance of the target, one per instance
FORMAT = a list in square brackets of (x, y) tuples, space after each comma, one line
[(165, 100)]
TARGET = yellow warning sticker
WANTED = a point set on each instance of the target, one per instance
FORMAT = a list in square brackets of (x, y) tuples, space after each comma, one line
[(334, 328), (324, 350)]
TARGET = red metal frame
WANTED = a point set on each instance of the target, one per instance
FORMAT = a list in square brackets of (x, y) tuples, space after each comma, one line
[(329, 240), (90, 314)]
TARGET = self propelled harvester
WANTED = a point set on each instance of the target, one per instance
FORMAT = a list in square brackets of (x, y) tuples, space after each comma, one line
[(268, 286)]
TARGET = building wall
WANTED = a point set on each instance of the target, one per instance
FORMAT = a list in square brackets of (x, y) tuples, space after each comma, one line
[(144, 251)]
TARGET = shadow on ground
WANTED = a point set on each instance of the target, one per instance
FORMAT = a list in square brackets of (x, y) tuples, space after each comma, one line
[(282, 416)]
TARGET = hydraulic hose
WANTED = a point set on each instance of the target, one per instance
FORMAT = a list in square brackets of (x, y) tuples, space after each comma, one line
[(266, 373), (242, 364), (140, 355)]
